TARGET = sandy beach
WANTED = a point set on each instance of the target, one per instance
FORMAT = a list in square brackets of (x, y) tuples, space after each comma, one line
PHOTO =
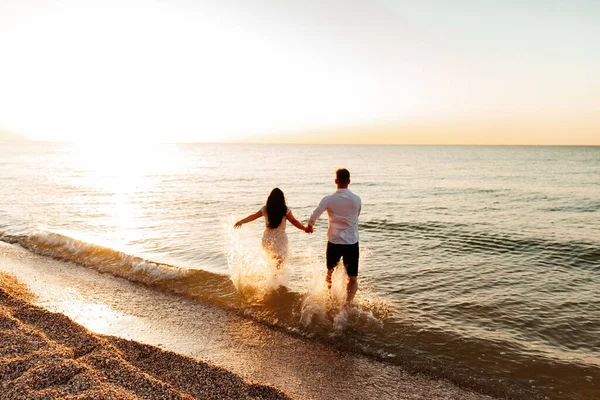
[(46, 355)]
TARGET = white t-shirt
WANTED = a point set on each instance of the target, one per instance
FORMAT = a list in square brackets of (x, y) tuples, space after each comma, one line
[(343, 208), (281, 226)]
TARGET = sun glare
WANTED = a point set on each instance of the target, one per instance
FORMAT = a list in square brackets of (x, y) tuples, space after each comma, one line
[(124, 173), (173, 73), (118, 165)]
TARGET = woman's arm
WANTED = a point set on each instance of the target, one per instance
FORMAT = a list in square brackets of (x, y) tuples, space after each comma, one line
[(249, 218), (294, 221)]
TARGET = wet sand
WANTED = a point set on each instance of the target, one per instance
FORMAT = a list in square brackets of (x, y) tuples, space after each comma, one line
[(113, 306), (47, 355)]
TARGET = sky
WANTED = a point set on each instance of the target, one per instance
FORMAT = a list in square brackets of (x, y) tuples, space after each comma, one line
[(372, 71)]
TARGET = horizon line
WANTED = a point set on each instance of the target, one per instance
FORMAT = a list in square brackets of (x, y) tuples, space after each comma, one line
[(26, 140)]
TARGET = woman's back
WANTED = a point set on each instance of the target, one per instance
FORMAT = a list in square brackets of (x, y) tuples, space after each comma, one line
[(281, 226)]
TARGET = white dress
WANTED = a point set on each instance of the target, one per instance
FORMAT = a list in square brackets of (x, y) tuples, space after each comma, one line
[(275, 241)]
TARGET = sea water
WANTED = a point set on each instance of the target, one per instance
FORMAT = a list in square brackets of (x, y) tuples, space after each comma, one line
[(478, 264)]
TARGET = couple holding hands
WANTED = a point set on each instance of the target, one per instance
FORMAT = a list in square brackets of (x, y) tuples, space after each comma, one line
[(343, 208)]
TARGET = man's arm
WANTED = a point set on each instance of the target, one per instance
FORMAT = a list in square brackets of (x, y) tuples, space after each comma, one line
[(317, 213)]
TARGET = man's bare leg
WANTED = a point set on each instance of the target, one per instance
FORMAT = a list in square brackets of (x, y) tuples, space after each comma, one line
[(351, 289), (328, 278)]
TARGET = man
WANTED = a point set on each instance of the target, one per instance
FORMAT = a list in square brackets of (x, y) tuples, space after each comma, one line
[(343, 208)]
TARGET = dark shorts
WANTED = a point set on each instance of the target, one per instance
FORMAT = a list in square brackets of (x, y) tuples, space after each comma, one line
[(349, 252)]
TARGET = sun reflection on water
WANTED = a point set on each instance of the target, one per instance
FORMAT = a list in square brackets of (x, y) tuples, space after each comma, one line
[(123, 167), (126, 175)]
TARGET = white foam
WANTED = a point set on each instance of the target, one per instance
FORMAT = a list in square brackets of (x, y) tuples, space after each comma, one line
[(340, 321), (92, 255), (157, 271)]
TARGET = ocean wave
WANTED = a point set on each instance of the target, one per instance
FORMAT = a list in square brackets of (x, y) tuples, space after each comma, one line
[(461, 238), (584, 207), (199, 284)]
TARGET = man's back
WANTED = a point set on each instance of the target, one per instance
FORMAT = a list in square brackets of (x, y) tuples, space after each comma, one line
[(343, 208)]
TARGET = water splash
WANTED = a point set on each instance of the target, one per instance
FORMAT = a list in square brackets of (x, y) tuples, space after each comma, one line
[(298, 289), (324, 309), (320, 302), (254, 274)]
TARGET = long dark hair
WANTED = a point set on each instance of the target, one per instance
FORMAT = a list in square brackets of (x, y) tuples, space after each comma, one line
[(276, 208)]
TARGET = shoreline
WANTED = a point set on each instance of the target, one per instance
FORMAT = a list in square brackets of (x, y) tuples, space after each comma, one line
[(48, 355), (116, 308)]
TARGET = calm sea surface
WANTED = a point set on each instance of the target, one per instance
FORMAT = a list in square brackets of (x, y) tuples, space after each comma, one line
[(478, 264)]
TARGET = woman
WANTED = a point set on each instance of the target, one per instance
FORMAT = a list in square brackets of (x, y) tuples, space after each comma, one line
[(274, 240)]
